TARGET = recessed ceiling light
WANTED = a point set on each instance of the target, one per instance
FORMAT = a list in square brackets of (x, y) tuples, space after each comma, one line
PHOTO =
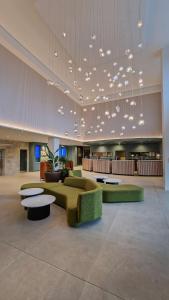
[(87, 98), (139, 24), (56, 54), (97, 84), (140, 45), (131, 118), (87, 78), (120, 94), (140, 80), (141, 115), (133, 127), (66, 91), (110, 80), (84, 59), (70, 61), (89, 132), (107, 113), (93, 90), (115, 64), (127, 100), (111, 85), (90, 73), (120, 85), (123, 127), (133, 103), (83, 125), (141, 84), (94, 69), (93, 108), (64, 34), (50, 82), (74, 112), (70, 70), (93, 37), (98, 126), (84, 109), (101, 50), (102, 54), (75, 130), (108, 74), (126, 82), (100, 129), (123, 76), (105, 71), (108, 52), (121, 133), (102, 123), (112, 131), (71, 111), (140, 72), (90, 46), (96, 131), (80, 69), (98, 117)]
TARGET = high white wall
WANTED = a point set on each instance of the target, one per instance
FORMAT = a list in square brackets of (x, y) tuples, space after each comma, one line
[(26, 101)]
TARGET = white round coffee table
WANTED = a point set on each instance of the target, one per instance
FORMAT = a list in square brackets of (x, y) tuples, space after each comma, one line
[(112, 181), (31, 192), (38, 207)]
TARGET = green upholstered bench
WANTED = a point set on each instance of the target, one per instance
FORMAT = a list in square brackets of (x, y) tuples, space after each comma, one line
[(81, 197), (122, 193)]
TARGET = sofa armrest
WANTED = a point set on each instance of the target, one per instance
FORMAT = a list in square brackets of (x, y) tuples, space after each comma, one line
[(89, 205)]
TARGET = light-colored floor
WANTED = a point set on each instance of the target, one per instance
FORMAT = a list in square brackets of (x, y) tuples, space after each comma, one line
[(125, 255)]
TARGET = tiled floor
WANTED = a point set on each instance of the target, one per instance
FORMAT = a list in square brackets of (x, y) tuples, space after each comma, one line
[(123, 256)]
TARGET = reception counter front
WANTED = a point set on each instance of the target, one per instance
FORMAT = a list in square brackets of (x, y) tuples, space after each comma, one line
[(124, 167)]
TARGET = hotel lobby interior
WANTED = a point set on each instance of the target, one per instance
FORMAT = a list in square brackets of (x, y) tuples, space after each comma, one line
[(84, 150)]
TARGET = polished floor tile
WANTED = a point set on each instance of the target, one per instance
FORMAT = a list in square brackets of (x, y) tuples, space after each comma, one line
[(122, 256)]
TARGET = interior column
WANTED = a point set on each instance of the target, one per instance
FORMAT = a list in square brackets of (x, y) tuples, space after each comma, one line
[(165, 115), (53, 144)]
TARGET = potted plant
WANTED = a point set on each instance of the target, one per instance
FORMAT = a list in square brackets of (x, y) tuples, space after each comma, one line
[(57, 165)]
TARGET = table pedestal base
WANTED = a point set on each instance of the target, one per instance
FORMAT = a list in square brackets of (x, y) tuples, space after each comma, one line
[(38, 213)]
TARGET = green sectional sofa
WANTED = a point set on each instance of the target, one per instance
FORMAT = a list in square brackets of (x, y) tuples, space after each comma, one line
[(81, 197), (122, 193)]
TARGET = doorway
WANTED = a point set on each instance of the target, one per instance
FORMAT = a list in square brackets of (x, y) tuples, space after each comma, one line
[(23, 160), (1, 162), (79, 155)]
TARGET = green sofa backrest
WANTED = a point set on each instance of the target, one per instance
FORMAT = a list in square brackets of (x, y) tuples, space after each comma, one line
[(81, 182), (77, 173)]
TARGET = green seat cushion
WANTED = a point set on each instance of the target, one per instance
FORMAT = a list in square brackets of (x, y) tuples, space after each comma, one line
[(122, 193)]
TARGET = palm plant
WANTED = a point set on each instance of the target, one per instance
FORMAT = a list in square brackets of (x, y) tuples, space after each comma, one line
[(53, 159)]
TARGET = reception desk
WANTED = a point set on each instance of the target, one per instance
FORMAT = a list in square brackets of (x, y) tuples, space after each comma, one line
[(87, 164), (150, 167), (102, 166), (124, 167)]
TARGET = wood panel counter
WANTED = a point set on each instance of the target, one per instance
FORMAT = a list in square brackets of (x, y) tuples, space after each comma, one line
[(87, 164), (150, 167)]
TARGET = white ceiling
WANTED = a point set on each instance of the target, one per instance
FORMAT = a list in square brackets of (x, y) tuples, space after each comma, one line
[(114, 22)]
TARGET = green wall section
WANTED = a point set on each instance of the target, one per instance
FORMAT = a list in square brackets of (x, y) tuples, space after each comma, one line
[(128, 147), (33, 165)]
